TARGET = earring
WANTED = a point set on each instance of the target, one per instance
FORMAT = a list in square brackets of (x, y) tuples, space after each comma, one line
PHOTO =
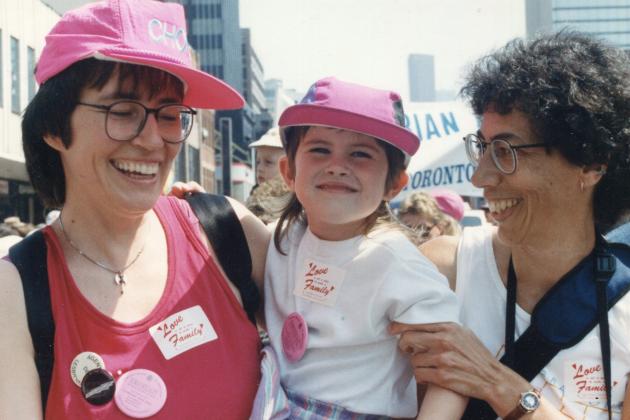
[(581, 185)]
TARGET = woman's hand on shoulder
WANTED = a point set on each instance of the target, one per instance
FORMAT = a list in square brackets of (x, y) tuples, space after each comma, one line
[(20, 396), (442, 251), (180, 189)]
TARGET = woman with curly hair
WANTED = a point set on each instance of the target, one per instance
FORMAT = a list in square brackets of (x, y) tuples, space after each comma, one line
[(553, 158)]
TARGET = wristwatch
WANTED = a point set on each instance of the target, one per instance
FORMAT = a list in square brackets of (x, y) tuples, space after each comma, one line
[(528, 403)]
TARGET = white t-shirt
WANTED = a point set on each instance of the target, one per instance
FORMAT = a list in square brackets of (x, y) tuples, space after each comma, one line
[(348, 292), (573, 380)]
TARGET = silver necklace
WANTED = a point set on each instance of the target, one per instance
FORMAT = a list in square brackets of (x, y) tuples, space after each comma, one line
[(119, 275)]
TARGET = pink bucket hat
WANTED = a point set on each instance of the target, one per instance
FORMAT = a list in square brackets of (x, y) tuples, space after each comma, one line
[(449, 202), (144, 32), (374, 112)]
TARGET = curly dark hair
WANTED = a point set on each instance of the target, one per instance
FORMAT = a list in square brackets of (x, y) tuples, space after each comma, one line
[(575, 91)]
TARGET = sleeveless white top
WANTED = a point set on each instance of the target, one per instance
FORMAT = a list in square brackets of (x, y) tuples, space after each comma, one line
[(574, 379)]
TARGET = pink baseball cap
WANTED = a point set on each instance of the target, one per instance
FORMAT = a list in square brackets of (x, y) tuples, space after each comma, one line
[(333, 103), (449, 202), (144, 32)]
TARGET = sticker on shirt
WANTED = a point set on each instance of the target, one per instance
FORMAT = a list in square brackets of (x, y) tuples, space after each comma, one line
[(182, 331), (319, 282), (585, 382)]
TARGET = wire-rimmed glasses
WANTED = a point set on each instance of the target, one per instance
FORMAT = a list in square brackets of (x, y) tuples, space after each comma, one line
[(124, 120), (502, 152)]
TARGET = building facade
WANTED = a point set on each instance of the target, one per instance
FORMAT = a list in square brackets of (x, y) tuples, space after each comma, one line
[(421, 69), (607, 19), (23, 26), (278, 98), (254, 85)]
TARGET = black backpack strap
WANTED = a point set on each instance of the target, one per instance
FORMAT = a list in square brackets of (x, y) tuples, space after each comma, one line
[(226, 235), (29, 257), (605, 266)]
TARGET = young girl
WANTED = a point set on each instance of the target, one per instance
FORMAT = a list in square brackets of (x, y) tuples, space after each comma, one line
[(338, 275)]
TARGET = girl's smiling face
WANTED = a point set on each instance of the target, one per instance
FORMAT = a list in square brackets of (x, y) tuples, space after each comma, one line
[(339, 177)]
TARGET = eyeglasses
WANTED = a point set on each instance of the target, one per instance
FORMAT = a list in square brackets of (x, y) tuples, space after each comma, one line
[(502, 152), (124, 120)]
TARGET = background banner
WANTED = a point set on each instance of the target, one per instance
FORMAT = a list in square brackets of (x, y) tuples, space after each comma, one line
[(441, 161)]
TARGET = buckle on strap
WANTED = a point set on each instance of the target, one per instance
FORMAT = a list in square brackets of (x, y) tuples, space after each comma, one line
[(605, 266)]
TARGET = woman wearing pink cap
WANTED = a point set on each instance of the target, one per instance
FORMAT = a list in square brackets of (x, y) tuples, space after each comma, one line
[(145, 321), (340, 269)]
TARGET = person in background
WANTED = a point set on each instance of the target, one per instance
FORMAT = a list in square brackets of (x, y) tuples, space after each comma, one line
[(268, 151), (449, 202), (552, 155), (146, 323), (420, 212), (269, 199), (9, 235)]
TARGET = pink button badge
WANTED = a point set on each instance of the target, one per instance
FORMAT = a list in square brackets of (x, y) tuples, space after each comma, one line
[(294, 337), (140, 393)]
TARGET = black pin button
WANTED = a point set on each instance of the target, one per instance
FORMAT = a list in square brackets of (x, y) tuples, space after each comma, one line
[(98, 387)]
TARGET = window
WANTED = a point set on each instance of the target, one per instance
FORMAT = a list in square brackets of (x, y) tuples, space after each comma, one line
[(32, 87), (218, 11), (15, 75)]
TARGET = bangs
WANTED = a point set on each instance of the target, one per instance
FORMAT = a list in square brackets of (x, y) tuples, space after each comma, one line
[(134, 78)]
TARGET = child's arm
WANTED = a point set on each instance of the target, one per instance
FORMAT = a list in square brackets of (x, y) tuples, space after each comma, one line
[(443, 404)]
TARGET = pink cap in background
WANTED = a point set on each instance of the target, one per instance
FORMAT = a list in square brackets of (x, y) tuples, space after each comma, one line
[(449, 202), (144, 32)]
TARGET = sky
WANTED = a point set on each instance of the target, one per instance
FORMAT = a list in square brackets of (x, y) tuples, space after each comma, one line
[(369, 41)]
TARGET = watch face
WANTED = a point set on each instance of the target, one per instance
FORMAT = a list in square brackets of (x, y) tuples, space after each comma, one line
[(530, 401)]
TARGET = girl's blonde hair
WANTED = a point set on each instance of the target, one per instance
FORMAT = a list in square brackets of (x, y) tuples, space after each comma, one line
[(294, 212)]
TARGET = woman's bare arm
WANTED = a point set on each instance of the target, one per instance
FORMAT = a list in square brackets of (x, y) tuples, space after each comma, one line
[(442, 251), (20, 396)]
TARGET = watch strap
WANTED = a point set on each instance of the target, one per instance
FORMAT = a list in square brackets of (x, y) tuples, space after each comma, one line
[(520, 410)]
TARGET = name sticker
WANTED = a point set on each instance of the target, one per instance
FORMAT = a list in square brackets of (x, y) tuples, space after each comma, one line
[(319, 282), (182, 331), (585, 382)]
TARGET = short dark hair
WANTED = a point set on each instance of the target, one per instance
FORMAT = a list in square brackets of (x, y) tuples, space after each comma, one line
[(575, 91), (50, 110)]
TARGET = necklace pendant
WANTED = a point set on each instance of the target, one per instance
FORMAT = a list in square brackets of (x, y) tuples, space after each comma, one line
[(119, 279)]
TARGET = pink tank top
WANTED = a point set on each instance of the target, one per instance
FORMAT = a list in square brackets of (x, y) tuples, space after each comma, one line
[(213, 380)]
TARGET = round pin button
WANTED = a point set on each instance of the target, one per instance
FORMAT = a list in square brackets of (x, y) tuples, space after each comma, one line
[(294, 337), (83, 363), (140, 393), (98, 386)]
